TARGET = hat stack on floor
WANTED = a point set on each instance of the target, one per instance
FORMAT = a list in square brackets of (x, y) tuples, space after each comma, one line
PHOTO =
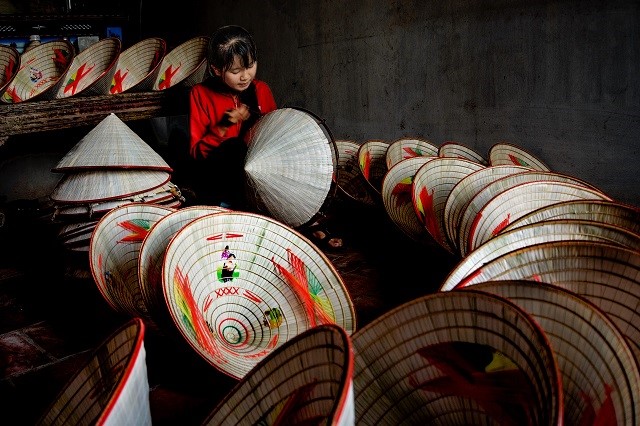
[(109, 167)]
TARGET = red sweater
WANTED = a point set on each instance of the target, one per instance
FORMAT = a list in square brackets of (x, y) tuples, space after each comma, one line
[(207, 108)]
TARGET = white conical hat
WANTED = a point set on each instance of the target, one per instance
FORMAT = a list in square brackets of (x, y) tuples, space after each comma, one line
[(290, 165), (112, 145)]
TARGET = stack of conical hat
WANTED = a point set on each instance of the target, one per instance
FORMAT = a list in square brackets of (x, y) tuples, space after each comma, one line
[(109, 167)]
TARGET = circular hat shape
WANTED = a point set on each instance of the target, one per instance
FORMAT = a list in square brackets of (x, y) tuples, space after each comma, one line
[(404, 148), (599, 372), (184, 65), (605, 211), (606, 274), (372, 160), (519, 200), (102, 185), (9, 66), (92, 70), (463, 192), (350, 182), (41, 72), (290, 165), (112, 387), (152, 252), (504, 153), (111, 144), (396, 196), (138, 66), (489, 191), (537, 233), (113, 255), (459, 358), (312, 370), (238, 285), (432, 184), (457, 150)]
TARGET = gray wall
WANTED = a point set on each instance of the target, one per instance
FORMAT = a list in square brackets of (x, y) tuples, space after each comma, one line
[(561, 79)]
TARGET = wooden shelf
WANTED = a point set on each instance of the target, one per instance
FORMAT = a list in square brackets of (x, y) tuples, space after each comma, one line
[(43, 116)]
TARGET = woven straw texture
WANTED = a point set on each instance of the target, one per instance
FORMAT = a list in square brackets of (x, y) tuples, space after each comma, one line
[(404, 148), (610, 212), (238, 285), (537, 233), (152, 252), (519, 200), (92, 70), (396, 196), (41, 72), (432, 185), (457, 150), (455, 358), (113, 255), (112, 388), (290, 165), (372, 159), (489, 191), (504, 153), (307, 380), (101, 185), (606, 274), (138, 66), (599, 375), (462, 193), (111, 144), (77, 236), (184, 65), (9, 66), (351, 182)]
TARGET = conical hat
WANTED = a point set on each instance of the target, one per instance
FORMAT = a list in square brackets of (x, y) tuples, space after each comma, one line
[(102, 185), (504, 153), (111, 144), (599, 372), (290, 165), (138, 66), (432, 184), (537, 233), (184, 65), (111, 388), (459, 358), (312, 370), (92, 70), (41, 72), (458, 150), (372, 159), (113, 255), (403, 148), (350, 180), (238, 285), (9, 66)]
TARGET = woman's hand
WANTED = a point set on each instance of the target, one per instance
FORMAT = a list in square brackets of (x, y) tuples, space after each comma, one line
[(237, 115)]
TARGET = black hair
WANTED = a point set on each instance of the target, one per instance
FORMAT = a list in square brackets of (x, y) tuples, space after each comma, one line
[(228, 42)]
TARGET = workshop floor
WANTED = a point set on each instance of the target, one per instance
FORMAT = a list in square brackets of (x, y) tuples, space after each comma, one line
[(52, 315)]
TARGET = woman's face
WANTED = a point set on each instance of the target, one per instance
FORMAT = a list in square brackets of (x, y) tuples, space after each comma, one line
[(238, 77)]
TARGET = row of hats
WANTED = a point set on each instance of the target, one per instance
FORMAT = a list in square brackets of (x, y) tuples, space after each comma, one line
[(109, 167), (52, 70), (504, 352)]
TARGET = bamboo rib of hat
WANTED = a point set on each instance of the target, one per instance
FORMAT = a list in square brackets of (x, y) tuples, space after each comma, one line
[(600, 378), (537, 233), (456, 358), (184, 65), (372, 159), (404, 148), (112, 388), (9, 66), (350, 182), (111, 144), (454, 149), (92, 70), (290, 165), (238, 285), (503, 153), (307, 380), (138, 66), (41, 72)]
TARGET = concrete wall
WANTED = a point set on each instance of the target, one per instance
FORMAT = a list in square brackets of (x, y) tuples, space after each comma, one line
[(561, 79)]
